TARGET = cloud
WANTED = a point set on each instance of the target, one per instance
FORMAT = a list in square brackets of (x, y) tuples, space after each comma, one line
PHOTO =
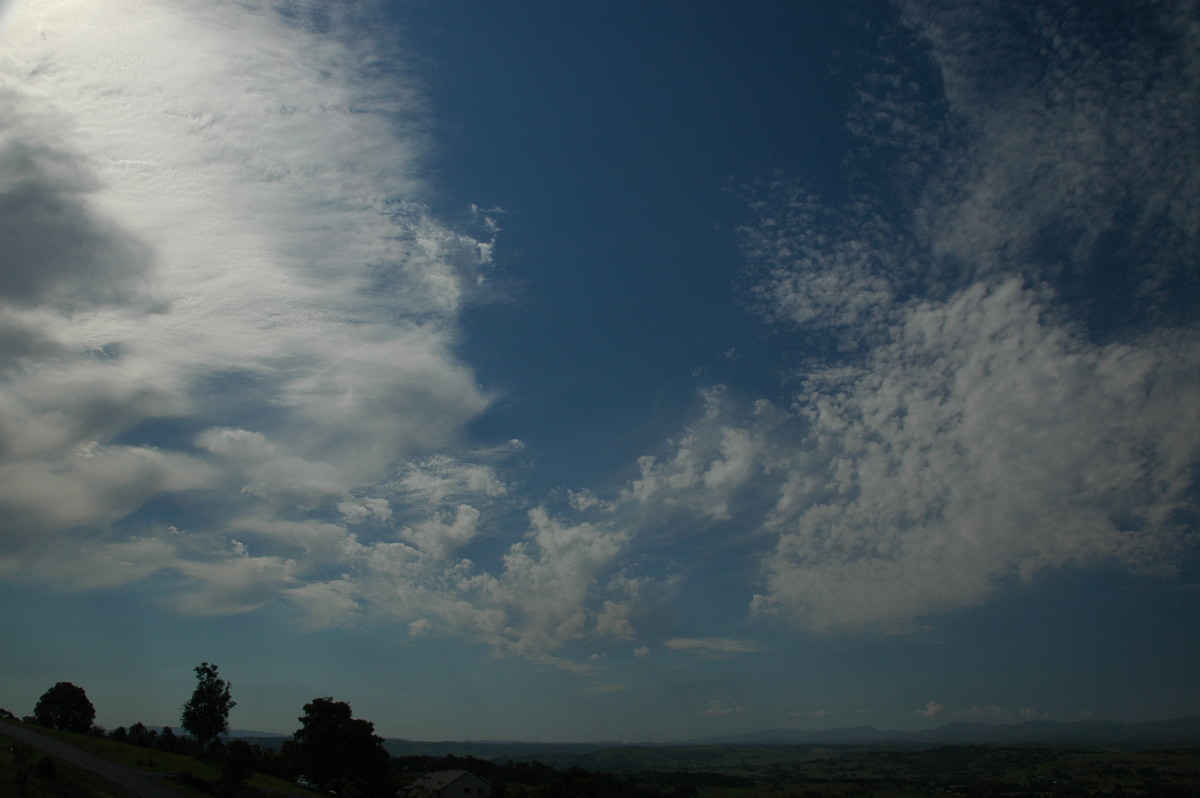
[(709, 466), (547, 582), (1075, 152), (602, 689), (325, 605), (717, 709), (228, 327), (930, 710), (442, 478), (984, 398), (983, 444), (59, 251), (227, 315), (438, 538), (89, 564), (712, 645), (233, 585)]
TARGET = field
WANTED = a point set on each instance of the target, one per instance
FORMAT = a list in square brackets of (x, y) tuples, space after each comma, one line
[(797, 771), (975, 770), (690, 771)]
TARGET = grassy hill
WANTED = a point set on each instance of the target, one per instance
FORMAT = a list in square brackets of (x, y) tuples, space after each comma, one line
[(20, 762)]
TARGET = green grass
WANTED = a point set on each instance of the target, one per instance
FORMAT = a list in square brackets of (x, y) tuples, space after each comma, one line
[(68, 781), (132, 756)]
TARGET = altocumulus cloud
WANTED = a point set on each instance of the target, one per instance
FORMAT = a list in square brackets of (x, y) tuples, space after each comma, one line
[(1002, 378), (227, 326)]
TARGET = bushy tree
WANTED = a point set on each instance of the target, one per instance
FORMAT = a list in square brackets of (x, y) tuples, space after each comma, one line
[(65, 707), (206, 715), (338, 750), (239, 766), (142, 737), (167, 741)]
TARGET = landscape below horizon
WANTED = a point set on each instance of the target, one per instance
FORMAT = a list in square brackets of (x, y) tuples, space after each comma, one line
[(603, 369), (1177, 732)]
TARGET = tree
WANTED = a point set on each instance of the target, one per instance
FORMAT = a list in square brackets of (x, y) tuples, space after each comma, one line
[(239, 766), (167, 741), (206, 715), (338, 750), (65, 707)]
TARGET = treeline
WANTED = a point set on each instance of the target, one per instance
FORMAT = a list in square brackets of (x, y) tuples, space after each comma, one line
[(334, 752)]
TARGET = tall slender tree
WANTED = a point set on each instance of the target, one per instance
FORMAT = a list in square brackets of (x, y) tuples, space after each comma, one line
[(206, 715)]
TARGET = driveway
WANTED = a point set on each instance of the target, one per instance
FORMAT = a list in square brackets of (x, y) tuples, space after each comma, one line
[(135, 781)]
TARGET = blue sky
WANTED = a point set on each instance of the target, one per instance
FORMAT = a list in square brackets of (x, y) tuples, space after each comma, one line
[(601, 371)]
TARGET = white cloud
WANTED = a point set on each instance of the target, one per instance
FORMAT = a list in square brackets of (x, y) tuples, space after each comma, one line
[(549, 580), (972, 421), (712, 645), (222, 290), (232, 585), (438, 538), (265, 470), (711, 463), (716, 709), (442, 478), (89, 564), (216, 248), (1065, 142), (983, 444), (357, 511), (316, 542), (930, 710), (819, 267), (326, 604)]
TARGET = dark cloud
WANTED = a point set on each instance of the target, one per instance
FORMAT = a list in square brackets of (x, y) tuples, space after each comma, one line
[(58, 251)]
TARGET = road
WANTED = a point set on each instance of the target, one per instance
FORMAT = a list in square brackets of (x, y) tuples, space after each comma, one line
[(135, 781)]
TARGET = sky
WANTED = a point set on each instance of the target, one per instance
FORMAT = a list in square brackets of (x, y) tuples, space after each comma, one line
[(632, 371)]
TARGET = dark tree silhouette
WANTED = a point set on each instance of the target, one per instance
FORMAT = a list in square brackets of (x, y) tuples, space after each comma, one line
[(339, 751), (206, 715), (239, 766), (65, 707)]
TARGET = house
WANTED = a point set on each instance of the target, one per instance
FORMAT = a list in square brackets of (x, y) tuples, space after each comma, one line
[(448, 784)]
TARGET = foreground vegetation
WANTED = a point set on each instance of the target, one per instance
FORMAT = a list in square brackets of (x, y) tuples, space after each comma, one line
[(29, 773), (810, 772), (335, 753), (26, 771)]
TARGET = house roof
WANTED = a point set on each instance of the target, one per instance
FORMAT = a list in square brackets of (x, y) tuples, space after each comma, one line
[(436, 782)]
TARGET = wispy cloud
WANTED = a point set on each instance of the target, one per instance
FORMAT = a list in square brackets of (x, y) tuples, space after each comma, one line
[(712, 645)]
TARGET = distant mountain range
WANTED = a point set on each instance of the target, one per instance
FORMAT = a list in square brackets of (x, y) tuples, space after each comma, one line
[(1088, 734)]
